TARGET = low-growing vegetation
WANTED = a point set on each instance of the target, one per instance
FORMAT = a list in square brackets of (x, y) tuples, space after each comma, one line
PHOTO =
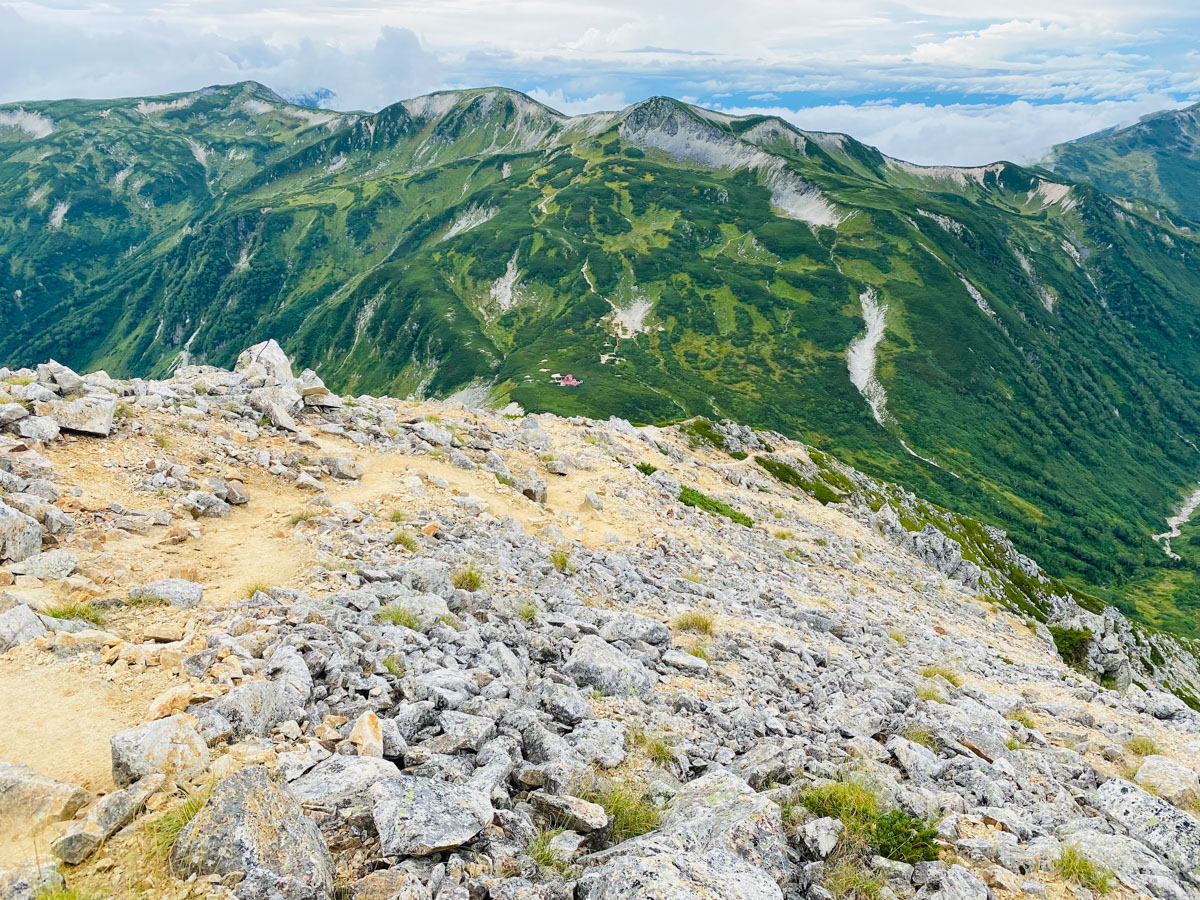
[(1074, 867), (467, 579), (869, 829), (405, 539), (943, 671), (630, 812), (695, 621), (1072, 643), (693, 498), (69, 609), (164, 831), (560, 558), (399, 615)]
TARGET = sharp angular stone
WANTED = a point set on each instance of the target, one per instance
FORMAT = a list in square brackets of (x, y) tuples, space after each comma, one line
[(171, 746), (29, 801), (252, 826)]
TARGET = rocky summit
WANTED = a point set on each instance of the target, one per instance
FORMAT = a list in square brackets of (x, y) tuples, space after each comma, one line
[(261, 641)]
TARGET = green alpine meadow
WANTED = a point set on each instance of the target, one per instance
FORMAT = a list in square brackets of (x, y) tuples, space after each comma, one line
[(1021, 345)]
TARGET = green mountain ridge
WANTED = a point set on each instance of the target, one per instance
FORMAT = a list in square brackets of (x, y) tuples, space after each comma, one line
[(1157, 158), (1023, 347)]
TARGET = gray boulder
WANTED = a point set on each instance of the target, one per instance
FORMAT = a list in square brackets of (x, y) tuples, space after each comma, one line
[(172, 746), (176, 592), (959, 884), (30, 881), (1169, 832), (341, 780), (596, 664), (87, 415), (202, 504), (30, 801), (20, 535), (254, 708), (253, 827), (18, 625), (419, 816), (265, 360), (718, 840), (1168, 779)]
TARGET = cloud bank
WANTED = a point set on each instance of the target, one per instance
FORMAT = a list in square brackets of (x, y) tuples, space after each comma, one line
[(926, 80)]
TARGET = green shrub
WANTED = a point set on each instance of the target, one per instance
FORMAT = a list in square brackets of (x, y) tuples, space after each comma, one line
[(931, 692), (394, 666), (646, 468), (692, 497), (1072, 644), (897, 835), (527, 611), (868, 829), (397, 517)]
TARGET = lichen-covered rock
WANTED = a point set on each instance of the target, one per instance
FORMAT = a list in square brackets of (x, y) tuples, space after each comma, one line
[(177, 592), (171, 746), (418, 816), (341, 780), (87, 415), (30, 881), (1171, 833), (718, 839), (594, 663), (1168, 779), (111, 813), (252, 826)]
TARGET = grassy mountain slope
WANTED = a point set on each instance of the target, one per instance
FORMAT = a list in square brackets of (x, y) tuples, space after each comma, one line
[(1158, 159), (1033, 354)]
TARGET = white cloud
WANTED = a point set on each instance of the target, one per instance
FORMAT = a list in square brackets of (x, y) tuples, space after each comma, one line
[(1083, 64), (574, 106), (966, 135)]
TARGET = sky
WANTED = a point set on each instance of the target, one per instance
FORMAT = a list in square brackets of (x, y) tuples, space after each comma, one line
[(959, 82)]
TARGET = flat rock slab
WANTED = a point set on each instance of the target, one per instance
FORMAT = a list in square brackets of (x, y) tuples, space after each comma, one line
[(87, 415), (176, 592), (419, 816), (340, 780)]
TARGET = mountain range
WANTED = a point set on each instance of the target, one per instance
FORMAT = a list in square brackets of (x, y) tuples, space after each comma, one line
[(1017, 343)]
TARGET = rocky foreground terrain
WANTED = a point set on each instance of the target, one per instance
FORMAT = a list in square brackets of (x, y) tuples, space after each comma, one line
[(260, 641)]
